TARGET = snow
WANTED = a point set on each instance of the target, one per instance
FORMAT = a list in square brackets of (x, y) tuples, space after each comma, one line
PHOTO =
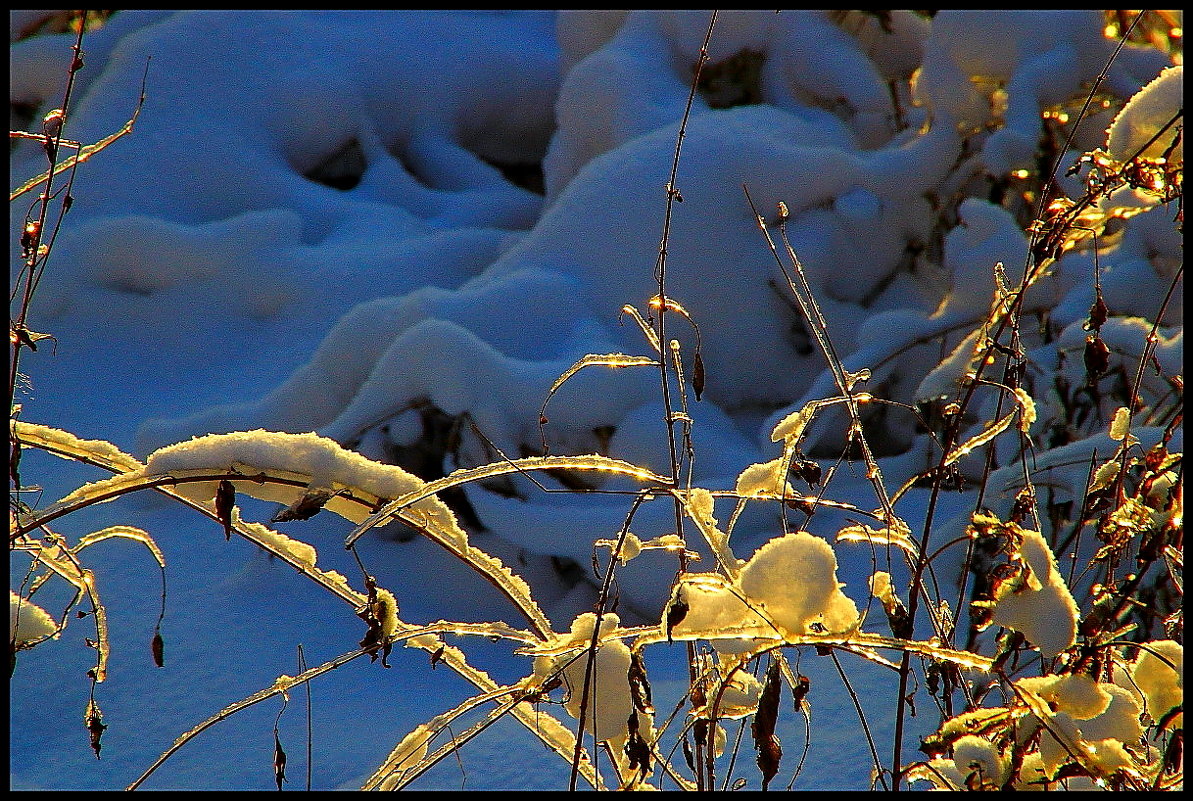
[(609, 702), (313, 231), (1101, 717), (1159, 675), (1144, 117), (787, 588), (1042, 608), (28, 622)]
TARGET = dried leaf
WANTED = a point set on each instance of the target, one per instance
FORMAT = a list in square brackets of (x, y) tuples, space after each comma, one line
[(770, 753), (1097, 356), (94, 720), (687, 754), (1098, 314), (800, 691), (602, 359), (28, 337), (14, 459), (639, 686), (647, 331), (988, 434), (698, 376), (636, 748), (279, 760), (83, 154), (225, 498), (159, 649), (677, 610), (808, 470), (305, 507)]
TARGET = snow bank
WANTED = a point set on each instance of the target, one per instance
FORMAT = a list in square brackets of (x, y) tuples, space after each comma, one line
[(458, 291)]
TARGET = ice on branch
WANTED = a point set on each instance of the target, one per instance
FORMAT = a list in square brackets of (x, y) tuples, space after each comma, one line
[(309, 462)]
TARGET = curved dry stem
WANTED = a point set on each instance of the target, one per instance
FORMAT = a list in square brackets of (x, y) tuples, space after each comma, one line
[(594, 461), (102, 454), (279, 687)]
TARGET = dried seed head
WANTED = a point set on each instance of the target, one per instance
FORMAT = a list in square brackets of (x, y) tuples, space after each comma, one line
[(51, 124)]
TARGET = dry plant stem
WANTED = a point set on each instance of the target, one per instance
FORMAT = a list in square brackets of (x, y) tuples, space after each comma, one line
[(256, 698), (85, 152), (489, 691), (590, 658), (35, 265), (861, 714), (811, 311), (844, 385), (1031, 273), (521, 466), (668, 420), (43, 213), (302, 666), (661, 327), (1148, 349), (123, 464), (457, 741), (661, 265)]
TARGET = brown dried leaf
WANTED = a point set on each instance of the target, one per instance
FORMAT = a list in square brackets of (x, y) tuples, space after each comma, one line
[(94, 720), (279, 760), (677, 610), (225, 498), (1097, 356), (639, 686), (1098, 314), (800, 691), (159, 649), (636, 748), (305, 507), (770, 753)]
